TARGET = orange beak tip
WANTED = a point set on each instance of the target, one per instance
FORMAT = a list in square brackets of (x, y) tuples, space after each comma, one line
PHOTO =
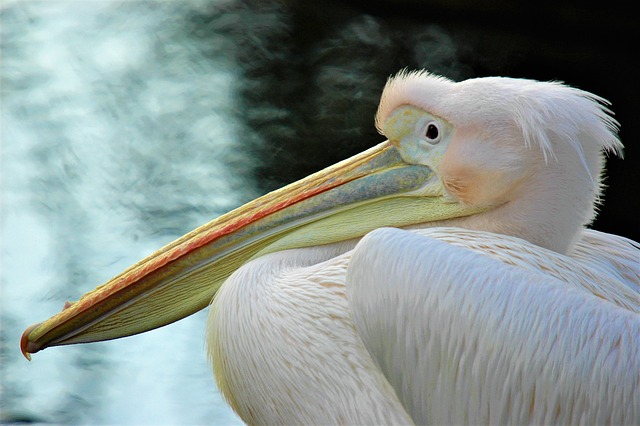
[(27, 347)]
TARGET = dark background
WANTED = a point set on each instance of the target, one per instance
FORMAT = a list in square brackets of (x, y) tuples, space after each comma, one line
[(313, 72)]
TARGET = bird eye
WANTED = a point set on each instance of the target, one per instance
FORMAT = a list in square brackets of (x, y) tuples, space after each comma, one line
[(432, 134)]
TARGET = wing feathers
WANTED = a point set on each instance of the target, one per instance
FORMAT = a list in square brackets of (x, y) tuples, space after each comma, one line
[(464, 338)]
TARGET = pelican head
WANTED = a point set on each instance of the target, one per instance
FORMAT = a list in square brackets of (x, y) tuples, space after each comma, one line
[(529, 154), (512, 156)]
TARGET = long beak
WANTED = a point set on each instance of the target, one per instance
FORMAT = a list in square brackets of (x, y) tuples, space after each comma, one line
[(347, 200)]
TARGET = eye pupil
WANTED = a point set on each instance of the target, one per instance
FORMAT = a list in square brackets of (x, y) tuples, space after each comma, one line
[(432, 131)]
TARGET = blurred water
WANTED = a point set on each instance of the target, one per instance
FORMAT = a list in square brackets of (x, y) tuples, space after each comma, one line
[(118, 135)]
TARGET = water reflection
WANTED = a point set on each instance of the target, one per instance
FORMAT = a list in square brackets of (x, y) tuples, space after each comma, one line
[(118, 136)]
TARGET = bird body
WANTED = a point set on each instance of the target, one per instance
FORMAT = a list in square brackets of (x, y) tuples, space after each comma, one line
[(500, 344), (322, 330), (292, 305), (444, 276)]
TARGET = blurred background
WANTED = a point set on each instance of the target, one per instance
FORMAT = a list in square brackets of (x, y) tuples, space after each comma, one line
[(125, 124)]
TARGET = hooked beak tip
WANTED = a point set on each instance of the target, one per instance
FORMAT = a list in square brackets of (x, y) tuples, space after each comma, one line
[(27, 347)]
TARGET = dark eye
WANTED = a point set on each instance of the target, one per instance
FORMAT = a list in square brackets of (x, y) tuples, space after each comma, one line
[(432, 133)]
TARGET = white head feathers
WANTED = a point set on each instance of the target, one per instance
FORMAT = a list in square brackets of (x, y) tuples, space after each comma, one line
[(543, 111)]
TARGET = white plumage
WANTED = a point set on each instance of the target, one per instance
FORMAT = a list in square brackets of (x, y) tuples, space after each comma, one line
[(468, 327), (472, 339), (285, 348)]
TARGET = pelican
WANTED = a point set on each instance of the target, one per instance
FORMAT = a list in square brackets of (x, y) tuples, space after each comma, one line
[(444, 276)]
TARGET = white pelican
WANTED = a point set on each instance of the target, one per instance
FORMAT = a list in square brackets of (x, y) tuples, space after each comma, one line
[(497, 307)]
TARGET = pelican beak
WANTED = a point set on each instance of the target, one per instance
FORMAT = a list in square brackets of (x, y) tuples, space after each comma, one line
[(372, 189)]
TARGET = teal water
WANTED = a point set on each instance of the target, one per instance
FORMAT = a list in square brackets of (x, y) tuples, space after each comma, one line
[(117, 137)]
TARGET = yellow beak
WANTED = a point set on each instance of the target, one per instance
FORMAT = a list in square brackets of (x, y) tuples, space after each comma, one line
[(372, 189)]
